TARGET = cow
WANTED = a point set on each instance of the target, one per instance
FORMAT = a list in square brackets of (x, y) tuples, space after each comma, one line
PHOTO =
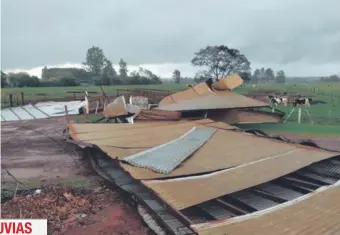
[(302, 101), (278, 100)]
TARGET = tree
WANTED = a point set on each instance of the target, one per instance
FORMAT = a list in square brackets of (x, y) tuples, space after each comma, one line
[(4, 82), (246, 76), (334, 78), (262, 75), (220, 61), (256, 76), (23, 80), (123, 71), (269, 75), (94, 61), (65, 81), (109, 74), (280, 76), (176, 76)]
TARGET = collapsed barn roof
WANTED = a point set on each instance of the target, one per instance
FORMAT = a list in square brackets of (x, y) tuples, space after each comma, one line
[(214, 178), (229, 161), (204, 97)]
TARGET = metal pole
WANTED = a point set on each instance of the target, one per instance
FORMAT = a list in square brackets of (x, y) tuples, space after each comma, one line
[(299, 116), (22, 98), (289, 115), (97, 106)]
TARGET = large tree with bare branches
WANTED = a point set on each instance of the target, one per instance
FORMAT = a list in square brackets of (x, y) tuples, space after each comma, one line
[(220, 61)]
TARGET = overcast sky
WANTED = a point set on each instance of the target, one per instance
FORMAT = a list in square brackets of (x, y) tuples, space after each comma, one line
[(300, 36)]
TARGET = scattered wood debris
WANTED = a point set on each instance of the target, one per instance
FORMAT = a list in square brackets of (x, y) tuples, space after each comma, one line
[(62, 206)]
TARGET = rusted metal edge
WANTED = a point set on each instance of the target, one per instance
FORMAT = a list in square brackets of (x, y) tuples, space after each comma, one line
[(79, 143), (186, 221)]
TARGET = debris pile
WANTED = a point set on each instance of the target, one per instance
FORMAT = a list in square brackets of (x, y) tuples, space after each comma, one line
[(62, 206), (218, 179)]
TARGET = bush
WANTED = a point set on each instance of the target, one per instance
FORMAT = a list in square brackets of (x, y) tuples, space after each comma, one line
[(65, 81)]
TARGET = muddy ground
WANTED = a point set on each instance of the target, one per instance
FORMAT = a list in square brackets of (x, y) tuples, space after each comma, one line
[(35, 154)]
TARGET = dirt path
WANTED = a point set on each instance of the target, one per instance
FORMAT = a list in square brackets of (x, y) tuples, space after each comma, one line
[(35, 153)]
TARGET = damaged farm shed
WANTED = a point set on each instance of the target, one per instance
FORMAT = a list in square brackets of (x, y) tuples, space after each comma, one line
[(191, 172)]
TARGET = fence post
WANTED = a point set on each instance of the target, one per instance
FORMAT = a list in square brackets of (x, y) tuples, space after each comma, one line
[(11, 100), (22, 98)]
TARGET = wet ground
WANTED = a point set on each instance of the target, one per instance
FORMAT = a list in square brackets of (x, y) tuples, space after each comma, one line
[(35, 154)]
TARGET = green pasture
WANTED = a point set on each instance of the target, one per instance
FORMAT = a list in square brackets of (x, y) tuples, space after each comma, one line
[(321, 114), (295, 128), (38, 93)]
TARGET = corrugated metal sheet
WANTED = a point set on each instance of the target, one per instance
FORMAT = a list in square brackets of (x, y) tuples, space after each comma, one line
[(233, 116), (40, 111), (224, 150), (116, 108), (229, 83), (214, 100), (159, 115), (165, 158), (316, 215), (178, 192)]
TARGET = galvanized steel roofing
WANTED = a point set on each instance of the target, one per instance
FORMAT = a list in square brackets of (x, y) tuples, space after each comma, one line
[(165, 158), (39, 111), (313, 214), (214, 100), (178, 192)]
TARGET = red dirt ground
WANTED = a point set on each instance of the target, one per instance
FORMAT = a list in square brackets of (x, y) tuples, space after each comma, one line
[(35, 153), (113, 220)]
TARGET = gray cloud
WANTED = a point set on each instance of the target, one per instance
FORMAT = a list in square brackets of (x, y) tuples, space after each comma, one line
[(281, 32)]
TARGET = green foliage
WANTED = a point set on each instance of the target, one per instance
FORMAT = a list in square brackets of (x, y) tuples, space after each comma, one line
[(123, 71), (95, 60), (176, 76), (143, 76), (269, 75), (220, 61), (332, 78), (4, 82), (280, 76), (246, 76), (23, 80), (65, 81), (79, 75)]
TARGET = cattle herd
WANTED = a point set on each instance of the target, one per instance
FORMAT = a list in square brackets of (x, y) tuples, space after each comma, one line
[(297, 102)]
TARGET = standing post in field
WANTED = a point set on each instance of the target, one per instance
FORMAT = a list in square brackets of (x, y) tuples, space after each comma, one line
[(299, 116), (22, 98), (97, 106), (66, 115), (11, 100)]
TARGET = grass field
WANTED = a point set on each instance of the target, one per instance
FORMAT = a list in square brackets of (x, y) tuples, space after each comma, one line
[(324, 115), (32, 93), (295, 128)]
